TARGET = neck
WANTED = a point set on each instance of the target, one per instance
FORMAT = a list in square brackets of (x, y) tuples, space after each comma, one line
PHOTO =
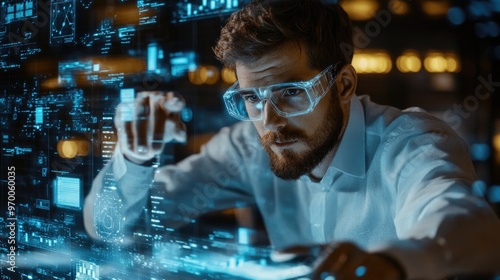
[(319, 171)]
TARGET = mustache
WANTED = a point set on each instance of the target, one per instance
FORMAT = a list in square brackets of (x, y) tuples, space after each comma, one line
[(282, 136)]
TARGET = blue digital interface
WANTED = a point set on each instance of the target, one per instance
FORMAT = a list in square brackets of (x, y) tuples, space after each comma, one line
[(68, 192), (65, 65)]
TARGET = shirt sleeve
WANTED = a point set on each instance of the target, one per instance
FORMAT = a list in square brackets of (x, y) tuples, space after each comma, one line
[(118, 195), (443, 229), (215, 179)]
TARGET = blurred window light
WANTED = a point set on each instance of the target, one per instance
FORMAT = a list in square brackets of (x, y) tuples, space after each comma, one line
[(67, 148), (409, 62), (72, 148), (496, 146), (494, 194), (495, 5), (435, 8), (479, 188), (456, 16), (83, 147), (187, 114), (480, 151), (212, 74), (204, 74), (196, 76), (437, 62), (478, 9), (398, 7), (360, 9), (452, 63), (228, 75), (487, 29), (493, 29), (372, 62)]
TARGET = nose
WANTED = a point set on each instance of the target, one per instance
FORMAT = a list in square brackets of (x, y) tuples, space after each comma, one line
[(271, 119)]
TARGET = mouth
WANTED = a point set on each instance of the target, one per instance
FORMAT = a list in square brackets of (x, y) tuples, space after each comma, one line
[(283, 143)]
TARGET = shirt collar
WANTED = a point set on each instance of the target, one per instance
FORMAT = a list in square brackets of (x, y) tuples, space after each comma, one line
[(350, 155)]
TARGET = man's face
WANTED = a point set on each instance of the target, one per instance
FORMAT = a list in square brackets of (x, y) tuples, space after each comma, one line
[(295, 145)]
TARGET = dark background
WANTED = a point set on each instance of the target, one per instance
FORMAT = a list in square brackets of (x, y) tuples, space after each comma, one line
[(64, 63)]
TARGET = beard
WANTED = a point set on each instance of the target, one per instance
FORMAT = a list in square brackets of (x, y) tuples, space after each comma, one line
[(290, 165)]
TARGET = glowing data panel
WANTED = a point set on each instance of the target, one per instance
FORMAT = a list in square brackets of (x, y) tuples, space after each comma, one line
[(67, 192), (62, 19), (17, 11), (197, 9)]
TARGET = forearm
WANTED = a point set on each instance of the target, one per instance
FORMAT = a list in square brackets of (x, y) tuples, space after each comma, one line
[(119, 194)]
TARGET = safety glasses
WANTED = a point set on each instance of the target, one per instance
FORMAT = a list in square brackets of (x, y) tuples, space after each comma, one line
[(288, 99)]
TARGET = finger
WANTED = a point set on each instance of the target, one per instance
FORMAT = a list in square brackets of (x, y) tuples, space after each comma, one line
[(141, 124), (180, 132), (332, 260), (176, 127), (129, 136), (173, 102), (158, 119), (123, 122)]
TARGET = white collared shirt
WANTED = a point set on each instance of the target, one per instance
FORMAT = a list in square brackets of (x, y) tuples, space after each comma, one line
[(398, 183)]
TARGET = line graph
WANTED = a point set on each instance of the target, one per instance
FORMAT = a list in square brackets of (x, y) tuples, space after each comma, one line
[(62, 23)]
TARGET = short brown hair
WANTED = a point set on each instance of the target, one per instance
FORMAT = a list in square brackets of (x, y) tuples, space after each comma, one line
[(263, 26)]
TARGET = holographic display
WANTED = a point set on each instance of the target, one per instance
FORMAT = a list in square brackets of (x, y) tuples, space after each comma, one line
[(68, 192), (65, 65)]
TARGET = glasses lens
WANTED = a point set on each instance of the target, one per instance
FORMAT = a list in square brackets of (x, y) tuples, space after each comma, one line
[(247, 104), (290, 99)]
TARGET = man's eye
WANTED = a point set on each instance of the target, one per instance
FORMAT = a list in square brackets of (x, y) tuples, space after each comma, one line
[(292, 91), (252, 98)]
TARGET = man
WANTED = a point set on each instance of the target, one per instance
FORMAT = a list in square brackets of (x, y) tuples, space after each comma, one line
[(370, 191)]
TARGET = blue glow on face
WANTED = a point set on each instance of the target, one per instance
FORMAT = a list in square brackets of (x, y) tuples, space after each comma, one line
[(360, 271)]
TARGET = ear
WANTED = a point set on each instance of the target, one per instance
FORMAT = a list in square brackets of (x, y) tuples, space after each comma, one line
[(347, 80)]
